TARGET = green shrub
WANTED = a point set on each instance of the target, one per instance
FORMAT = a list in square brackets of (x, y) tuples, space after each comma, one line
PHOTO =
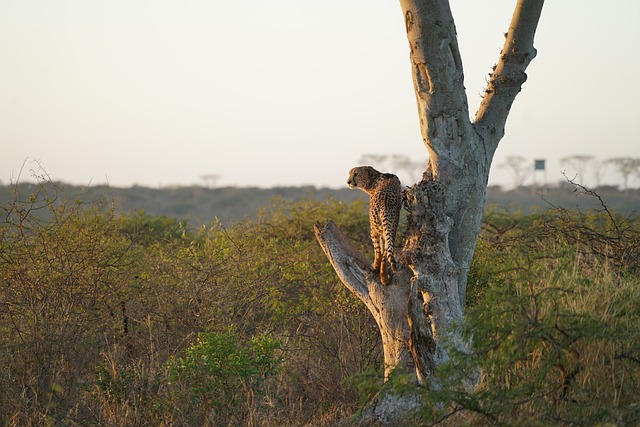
[(144, 229), (561, 350), (219, 375)]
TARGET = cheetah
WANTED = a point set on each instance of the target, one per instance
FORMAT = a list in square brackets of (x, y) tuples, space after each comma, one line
[(385, 194)]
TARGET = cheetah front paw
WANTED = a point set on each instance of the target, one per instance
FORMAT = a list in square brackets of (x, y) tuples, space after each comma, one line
[(385, 274)]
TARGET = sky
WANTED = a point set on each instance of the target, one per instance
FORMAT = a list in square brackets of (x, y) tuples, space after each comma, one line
[(289, 92)]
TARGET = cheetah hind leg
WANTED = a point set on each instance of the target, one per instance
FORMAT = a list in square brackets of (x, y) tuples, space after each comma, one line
[(392, 264), (377, 261)]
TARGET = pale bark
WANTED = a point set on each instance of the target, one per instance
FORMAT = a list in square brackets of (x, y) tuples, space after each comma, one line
[(418, 310), (387, 303), (460, 152)]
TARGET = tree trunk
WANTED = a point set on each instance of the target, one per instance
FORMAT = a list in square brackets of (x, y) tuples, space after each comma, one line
[(418, 310)]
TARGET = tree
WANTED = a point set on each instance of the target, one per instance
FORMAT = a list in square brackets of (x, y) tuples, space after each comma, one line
[(395, 163), (578, 163), (519, 168), (210, 179), (626, 166), (599, 169), (417, 312)]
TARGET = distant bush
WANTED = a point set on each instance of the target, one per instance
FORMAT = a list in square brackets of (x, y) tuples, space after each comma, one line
[(144, 229)]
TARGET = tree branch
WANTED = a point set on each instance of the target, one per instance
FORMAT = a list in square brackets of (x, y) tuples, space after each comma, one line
[(387, 303), (438, 78), (509, 74), (352, 268)]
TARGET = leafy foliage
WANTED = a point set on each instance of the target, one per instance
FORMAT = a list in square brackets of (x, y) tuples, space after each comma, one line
[(217, 375), (555, 329)]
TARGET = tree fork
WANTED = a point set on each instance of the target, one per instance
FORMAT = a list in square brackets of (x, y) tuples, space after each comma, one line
[(419, 309)]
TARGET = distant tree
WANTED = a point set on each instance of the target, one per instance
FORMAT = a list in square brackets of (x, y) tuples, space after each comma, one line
[(599, 168), (375, 160), (578, 163), (210, 179), (395, 163), (626, 167), (519, 168)]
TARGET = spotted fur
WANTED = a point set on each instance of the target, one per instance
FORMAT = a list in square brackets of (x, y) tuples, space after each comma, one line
[(385, 193)]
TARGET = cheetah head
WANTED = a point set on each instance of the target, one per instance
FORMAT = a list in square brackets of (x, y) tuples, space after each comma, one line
[(362, 177)]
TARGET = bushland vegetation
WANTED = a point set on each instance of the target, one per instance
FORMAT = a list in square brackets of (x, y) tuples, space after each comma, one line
[(552, 323), (198, 205), (128, 319)]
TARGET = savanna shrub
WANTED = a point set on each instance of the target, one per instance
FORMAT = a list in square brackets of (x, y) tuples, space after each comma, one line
[(62, 266), (98, 310), (219, 380)]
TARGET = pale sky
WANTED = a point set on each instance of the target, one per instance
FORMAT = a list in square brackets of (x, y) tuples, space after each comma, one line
[(288, 92)]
